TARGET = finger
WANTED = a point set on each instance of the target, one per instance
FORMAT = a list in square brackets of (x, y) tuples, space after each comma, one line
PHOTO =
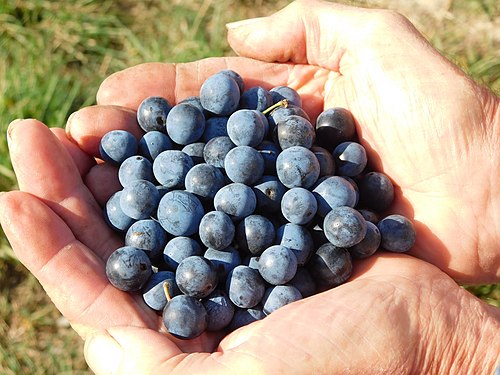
[(102, 181), (82, 160), (72, 275), (87, 126), (305, 32), (133, 350), (45, 169), (176, 82)]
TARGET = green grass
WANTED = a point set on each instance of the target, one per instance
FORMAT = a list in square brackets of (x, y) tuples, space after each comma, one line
[(53, 56)]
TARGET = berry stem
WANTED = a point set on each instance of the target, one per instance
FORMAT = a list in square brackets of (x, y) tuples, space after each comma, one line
[(281, 103), (167, 293)]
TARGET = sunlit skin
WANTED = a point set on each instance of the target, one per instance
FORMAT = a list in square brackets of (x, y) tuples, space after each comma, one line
[(423, 122)]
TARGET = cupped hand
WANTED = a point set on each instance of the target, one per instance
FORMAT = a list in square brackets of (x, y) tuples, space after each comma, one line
[(427, 125), (395, 314)]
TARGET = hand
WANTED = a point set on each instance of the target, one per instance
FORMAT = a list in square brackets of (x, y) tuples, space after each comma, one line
[(428, 126), (59, 234)]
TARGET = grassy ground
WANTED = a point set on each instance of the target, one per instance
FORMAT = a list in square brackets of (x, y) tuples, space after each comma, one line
[(53, 55)]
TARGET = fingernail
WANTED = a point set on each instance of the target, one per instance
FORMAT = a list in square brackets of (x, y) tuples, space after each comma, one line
[(235, 25), (103, 354), (9, 131), (70, 119)]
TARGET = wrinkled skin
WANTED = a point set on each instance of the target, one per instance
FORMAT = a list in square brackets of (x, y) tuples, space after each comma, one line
[(423, 122)]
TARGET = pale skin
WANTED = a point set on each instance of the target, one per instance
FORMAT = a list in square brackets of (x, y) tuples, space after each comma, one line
[(424, 123)]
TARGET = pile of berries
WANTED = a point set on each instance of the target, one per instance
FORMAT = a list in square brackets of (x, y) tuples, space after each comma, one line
[(234, 205)]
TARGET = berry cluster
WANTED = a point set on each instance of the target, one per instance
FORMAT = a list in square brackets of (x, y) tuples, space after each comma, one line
[(234, 205)]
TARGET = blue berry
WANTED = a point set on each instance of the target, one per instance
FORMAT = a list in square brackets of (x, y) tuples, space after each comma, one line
[(220, 310), (376, 191), (325, 159), (195, 101), (278, 296), (178, 249), (224, 260), (236, 199), (257, 98), (245, 286), (295, 131), (220, 94), (216, 149), (135, 168), (281, 113), (369, 244), (195, 151), (254, 234), (153, 293), (170, 168), (185, 124), (162, 190), (185, 317), (334, 126), (139, 199), (304, 282), (252, 262), (247, 127), (128, 268), (244, 164), (152, 113), (318, 235), (350, 158), (297, 166), (397, 232), (330, 266), (196, 276), (147, 235), (277, 265), (333, 191), (299, 206), (216, 230), (237, 78), (269, 152), (269, 191), (215, 127), (243, 317), (298, 239), (180, 213), (369, 215), (344, 226), (356, 188), (204, 180), (279, 93), (153, 143), (117, 145), (114, 215)]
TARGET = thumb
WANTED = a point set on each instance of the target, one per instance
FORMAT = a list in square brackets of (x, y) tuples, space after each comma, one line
[(304, 32), (332, 36), (124, 350), (134, 350)]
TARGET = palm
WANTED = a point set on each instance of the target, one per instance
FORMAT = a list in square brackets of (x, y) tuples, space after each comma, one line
[(378, 312), (423, 143)]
